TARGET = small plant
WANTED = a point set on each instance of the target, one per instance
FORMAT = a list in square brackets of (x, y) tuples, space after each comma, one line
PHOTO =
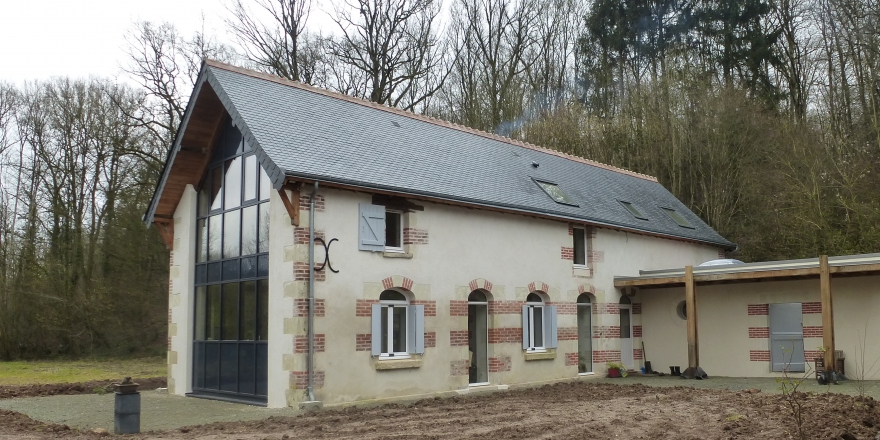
[(862, 370), (617, 366), (794, 399), (99, 390)]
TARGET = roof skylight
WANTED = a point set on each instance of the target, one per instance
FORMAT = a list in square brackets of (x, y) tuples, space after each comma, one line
[(633, 210), (677, 217), (556, 193)]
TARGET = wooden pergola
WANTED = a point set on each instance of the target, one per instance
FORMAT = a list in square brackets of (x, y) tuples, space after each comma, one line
[(821, 268)]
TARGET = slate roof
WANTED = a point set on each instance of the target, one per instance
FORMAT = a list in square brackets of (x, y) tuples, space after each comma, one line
[(300, 131)]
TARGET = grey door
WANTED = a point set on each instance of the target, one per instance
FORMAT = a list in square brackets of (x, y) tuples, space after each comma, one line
[(786, 337)]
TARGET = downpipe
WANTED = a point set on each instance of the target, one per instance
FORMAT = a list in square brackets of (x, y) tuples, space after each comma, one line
[(311, 329)]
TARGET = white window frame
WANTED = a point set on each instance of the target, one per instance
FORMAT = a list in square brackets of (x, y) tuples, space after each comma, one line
[(388, 306), (585, 264), (400, 232), (539, 308)]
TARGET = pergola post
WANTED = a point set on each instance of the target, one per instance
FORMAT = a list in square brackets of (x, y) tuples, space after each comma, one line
[(693, 371), (827, 313)]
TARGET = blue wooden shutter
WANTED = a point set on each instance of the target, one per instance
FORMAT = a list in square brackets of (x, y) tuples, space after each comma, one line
[(525, 327), (371, 229), (550, 327), (376, 348), (416, 336)]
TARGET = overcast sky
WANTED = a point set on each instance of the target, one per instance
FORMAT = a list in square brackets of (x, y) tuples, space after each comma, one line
[(40, 39)]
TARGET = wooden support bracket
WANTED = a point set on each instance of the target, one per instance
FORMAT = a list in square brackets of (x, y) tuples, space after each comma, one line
[(291, 204), (166, 230)]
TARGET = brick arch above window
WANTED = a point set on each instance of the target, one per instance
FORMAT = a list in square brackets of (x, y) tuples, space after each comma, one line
[(481, 283), (397, 282), (587, 288), (539, 287)]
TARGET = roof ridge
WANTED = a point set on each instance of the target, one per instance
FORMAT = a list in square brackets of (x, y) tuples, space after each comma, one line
[(424, 118)]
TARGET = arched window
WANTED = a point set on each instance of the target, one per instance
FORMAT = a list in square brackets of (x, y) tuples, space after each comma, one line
[(477, 296), (585, 333), (394, 307), (539, 324)]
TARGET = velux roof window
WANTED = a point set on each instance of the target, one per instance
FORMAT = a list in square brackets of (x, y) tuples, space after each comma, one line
[(677, 217), (556, 193), (633, 210)]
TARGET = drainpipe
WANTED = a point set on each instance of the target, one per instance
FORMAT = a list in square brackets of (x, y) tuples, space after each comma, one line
[(311, 355)]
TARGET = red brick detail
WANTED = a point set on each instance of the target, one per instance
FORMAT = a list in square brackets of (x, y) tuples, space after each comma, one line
[(539, 286), (600, 356), (759, 332), (301, 307), (301, 235), (505, 307), (637, 354), (415, 236), (585, 289), (299, 380), (606, 309), (363, 342), (637, 331), (480, 284), (567, 253), (499, 364), (459, 368), (388, 283), (811, 307), (459, 308), (430, 339), (364, 307), (571, 359), (169, 343), (430, 306), (570, 229), (759, 309), (304, 203), (606, 331), (813, 331), (301, 272), (812, 355), (759, 355), (301, 343), (458, 338), (565, 308), (637, 308), (567, 334), (595, 257), (505, 334)]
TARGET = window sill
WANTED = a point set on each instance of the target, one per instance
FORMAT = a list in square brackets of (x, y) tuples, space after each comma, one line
[(581, 271), (550, 353), (397, 364), (395, 254)]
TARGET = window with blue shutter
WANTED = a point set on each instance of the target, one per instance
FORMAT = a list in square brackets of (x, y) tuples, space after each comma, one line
[(371, 230)]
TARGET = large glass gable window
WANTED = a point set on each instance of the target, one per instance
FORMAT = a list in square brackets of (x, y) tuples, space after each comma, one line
[(231, 273)]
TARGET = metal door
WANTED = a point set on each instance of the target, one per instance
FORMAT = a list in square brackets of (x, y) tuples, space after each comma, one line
[(626, 343), (786, 337)]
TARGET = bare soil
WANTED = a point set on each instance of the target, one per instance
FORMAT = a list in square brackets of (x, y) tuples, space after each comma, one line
[(567, 410), (91, 387)]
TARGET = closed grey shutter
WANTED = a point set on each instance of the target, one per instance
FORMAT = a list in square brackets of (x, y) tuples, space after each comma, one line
[(416, 335), (371, 230), (550, 327), (376, 348), (525, 327)]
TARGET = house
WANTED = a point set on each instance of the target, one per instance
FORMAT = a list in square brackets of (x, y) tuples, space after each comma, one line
[(325, 248)]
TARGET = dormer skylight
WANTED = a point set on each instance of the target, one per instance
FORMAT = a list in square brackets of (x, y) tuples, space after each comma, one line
[(556, 193), (633, 210), (673, 214)]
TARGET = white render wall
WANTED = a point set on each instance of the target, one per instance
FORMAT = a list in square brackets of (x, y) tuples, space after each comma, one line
[(728, 348), (180, 295)]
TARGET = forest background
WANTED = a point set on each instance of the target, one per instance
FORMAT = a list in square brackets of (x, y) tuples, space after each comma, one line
[(763, 116)]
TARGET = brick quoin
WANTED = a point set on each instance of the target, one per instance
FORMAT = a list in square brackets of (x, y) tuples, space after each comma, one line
[(637, 354), (301, 307), (606, 331), (600, 356), (499, 364), (430, 306), (430, 339), (299, 380), (301, 235), (505, 334), (595, 257), (364, 307), (363, 342), (812, 355), (458, 308), (505, 307), (637, 331), (813, 331), (759, 332), (811, 307), (301, 272), (458, 338), (637, 308), (565, 308), (567, 334), (459, 368), (304, 203), (415, 236), (571, 359), (759, 355), (301, 343), (607, 309), (759, 309), (567, 253)]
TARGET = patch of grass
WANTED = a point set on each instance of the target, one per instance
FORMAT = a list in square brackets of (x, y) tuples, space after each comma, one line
[(65, 371)]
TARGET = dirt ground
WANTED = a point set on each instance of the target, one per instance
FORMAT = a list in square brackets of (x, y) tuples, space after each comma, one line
[(566, 410), (55, 389)]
